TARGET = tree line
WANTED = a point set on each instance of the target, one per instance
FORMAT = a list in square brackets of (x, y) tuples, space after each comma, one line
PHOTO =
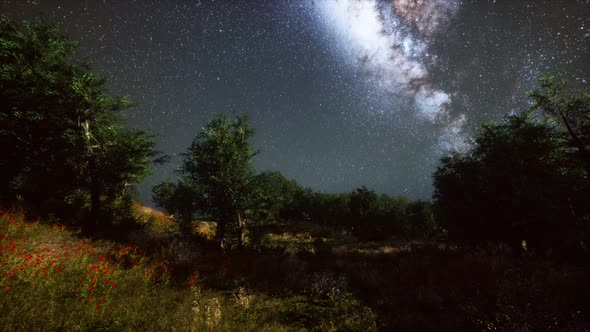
[(67, 152), (217, 180)]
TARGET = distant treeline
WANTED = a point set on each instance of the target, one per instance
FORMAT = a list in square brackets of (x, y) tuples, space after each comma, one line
[(363, 213)]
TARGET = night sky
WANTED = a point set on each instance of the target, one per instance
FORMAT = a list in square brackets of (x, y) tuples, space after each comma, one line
[(342, 93)]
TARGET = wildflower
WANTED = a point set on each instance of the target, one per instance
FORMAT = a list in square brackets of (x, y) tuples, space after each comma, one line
[(114, 285), (102, 299), (98, 306)]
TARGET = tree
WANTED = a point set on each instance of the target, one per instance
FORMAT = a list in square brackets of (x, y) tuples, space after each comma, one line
[(571, 112), (60, 130), (183, 200), (277, 196), (518, 182), (421, 221), (219, 161)]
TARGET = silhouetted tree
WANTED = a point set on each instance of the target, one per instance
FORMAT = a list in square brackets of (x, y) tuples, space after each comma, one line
[(184, 200), (518, 182), (420, 219), (277, 196), (571, 112), (60, 130)]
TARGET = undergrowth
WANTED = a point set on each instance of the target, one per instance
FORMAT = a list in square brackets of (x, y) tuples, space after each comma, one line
[(51, 280)]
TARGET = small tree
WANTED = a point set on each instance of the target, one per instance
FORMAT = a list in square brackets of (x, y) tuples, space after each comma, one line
[(276, 195), (219, 160), (183, 199)]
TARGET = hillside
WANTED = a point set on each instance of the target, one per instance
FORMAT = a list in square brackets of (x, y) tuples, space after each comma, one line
[(53, 280)]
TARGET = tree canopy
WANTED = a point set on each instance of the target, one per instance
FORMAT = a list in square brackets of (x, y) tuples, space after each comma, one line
[(523, 179), (219, 161), (61, 131)]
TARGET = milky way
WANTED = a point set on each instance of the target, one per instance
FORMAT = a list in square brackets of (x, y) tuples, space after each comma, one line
[(342, 93), (380, 39)]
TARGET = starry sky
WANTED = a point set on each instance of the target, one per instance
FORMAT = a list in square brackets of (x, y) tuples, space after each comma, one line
[(342, 93)]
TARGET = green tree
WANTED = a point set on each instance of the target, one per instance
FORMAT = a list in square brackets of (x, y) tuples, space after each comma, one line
[(183, 200), (518, 182), (60, 130), (219, 161), (277, 196)]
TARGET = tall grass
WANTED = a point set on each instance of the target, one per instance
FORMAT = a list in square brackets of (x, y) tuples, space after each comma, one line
[(50, 279)]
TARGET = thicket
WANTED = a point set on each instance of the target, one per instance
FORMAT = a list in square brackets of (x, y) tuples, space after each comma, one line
[(524, 179)]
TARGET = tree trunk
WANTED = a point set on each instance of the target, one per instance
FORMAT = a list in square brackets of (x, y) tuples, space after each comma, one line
[(95, 204), (240, 231), (220, 233)]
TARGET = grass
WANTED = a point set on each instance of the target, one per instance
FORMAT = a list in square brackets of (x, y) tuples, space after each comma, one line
[(322, 280), (51, 279)]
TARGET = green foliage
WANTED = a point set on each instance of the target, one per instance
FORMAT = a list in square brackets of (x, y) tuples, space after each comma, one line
[(520, 181), (217, 179), (375, 217), (183, 199), (278, 197), (163, 195), (60, 130), (219, 161), (368, 215)]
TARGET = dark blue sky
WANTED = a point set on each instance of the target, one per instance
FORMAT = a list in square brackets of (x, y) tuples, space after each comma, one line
[(342, 93)]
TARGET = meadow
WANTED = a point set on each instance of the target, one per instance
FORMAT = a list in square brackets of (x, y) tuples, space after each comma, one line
[(305, 278)]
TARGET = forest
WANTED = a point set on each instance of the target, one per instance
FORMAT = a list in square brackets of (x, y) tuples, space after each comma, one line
[(501, 246)]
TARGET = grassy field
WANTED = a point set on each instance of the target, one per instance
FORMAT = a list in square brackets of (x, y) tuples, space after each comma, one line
[(302, 278), (53, 280)]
